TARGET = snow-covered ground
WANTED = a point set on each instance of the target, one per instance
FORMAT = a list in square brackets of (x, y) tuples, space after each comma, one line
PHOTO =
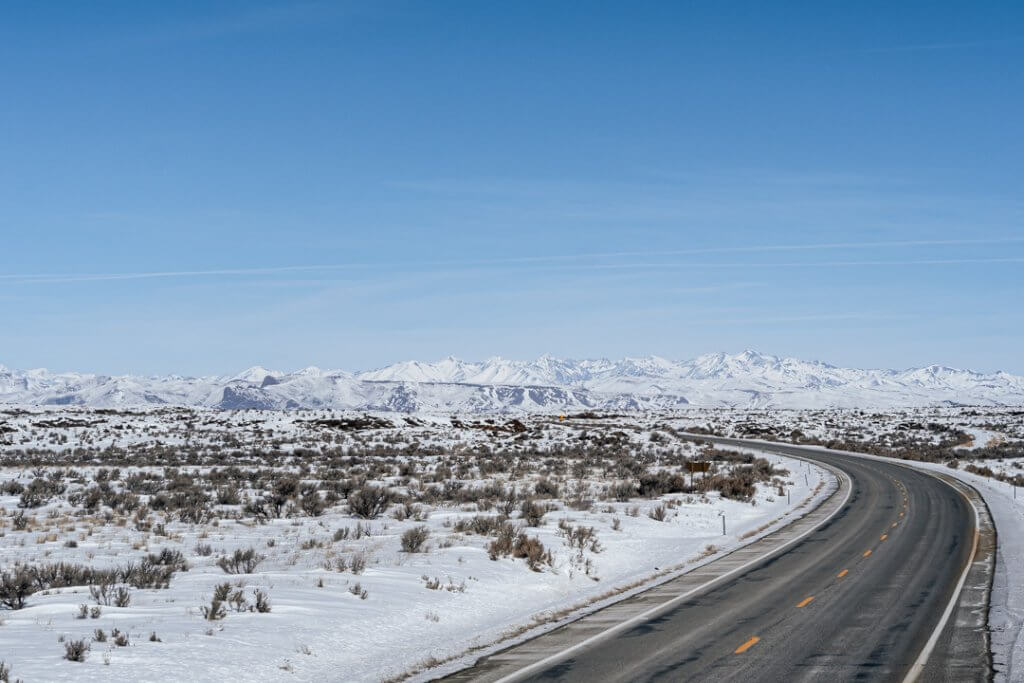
[(747, 379), (330, 619), (1006, 619), (986, 445), (981, 437), (401, 612)]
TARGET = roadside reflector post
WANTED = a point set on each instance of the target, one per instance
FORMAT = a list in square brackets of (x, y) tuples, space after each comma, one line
[(721, 513), (788, 501)]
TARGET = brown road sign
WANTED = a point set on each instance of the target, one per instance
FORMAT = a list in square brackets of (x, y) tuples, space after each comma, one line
[(698, 466)]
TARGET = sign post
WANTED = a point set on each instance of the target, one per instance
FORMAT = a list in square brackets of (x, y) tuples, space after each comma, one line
[(697, 466)]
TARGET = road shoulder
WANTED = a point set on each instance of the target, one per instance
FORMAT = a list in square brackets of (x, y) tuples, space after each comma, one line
[(965, 639), (514, 661)]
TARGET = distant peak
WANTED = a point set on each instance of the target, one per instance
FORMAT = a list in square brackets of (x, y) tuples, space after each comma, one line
[(748, 377), (256, 373)]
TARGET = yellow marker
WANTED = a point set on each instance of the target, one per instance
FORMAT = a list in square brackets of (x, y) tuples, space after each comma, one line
[(747, 645), (843, 573), (866, 553), (805, 602), (885, 536)]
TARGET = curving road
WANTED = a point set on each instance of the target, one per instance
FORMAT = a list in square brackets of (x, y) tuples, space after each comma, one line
[(856, 599)]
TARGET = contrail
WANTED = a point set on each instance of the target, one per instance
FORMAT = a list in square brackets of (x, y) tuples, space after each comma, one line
[(778, 247), (791, 264), (56, 278)]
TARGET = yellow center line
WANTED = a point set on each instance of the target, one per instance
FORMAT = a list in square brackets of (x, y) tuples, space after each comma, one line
[(747, 645), (885, 536), (805, 602), (866, 553), (843, 573), (895, 524)]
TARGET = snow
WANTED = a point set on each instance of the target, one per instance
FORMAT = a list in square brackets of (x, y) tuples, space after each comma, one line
[(981, 437), (748, 379), (986, 428), (319, 632), (1006, 619)]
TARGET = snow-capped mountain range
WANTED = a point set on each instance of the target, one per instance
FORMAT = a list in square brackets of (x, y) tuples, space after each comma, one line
[(547, 384)]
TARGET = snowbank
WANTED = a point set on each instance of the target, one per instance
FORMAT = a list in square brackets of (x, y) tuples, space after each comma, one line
[(416, 606)]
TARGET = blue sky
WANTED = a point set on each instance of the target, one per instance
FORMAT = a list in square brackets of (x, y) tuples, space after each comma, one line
[(199, 187)]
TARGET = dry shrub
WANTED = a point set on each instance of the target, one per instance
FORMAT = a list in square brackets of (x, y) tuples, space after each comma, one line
[(369, 502), (241, 561), (76, 650), (413, 540)]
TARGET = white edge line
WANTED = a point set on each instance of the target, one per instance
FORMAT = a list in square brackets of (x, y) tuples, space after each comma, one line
[(922, 659), (917, 668), (669, 604)]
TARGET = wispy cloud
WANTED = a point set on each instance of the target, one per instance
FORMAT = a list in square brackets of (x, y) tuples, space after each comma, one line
[(95, 277), (789, 264), (823, 246), (566, 261)]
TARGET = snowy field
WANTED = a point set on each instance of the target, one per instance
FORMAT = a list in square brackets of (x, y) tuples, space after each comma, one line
[(315, 546), (982, 446), (379, 546)]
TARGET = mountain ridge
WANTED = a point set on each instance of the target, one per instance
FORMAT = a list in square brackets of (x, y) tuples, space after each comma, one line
[(745, 379)]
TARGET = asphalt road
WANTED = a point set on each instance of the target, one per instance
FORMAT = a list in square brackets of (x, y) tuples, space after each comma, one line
[(857, 599)]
